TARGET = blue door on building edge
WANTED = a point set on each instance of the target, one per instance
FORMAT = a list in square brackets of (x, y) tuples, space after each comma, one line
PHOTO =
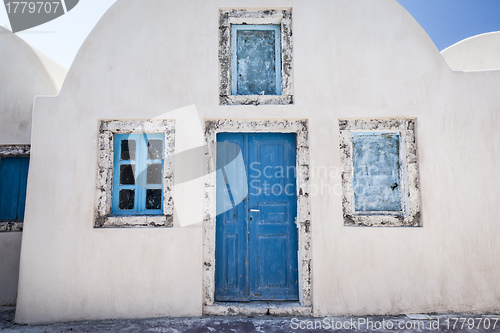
[(256, 239), (13, 183)]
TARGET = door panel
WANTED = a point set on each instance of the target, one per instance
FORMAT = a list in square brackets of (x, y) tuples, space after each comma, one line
[(273, 232), (272, 264), (265, 228), (231, 234)]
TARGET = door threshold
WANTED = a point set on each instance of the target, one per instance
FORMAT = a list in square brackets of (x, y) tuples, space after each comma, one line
[(258, 308)]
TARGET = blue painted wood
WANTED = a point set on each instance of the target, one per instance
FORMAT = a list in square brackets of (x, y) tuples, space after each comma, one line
[(256, 243), (137, 172), (376, 176), (23, 185), (13, 182), (255, 60), (231, 230)]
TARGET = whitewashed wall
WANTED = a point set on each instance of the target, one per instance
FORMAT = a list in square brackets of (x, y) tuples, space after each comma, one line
[(24, 73), (476, 53), (352, 58)]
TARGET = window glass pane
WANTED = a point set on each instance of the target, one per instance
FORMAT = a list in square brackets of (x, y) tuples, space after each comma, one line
[(128, 150), (376, 179), (256, 62), (127, 172), (126, 199), (153, 199), (154, 174), (155, 149), (138, 176)]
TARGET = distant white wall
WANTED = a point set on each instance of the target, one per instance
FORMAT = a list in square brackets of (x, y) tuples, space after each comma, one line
[(477, 53), (24, 73), (352, 59)]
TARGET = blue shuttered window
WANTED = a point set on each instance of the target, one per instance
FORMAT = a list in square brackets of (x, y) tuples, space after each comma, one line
[(13, 182), (377, 174), (138, 174), (255, 59)]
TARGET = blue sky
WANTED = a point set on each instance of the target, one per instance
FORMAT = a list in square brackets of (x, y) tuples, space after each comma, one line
[(450, 21), (446, 22)]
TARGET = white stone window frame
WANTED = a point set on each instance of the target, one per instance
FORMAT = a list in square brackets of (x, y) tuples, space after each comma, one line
[(104, 188), (277, 16), (411, 214), (304, 307), (13, 151)]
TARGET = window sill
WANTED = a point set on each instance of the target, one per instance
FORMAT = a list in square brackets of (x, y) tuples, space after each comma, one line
[(256, 99), (382, 220), (11, 226), (135, 221)]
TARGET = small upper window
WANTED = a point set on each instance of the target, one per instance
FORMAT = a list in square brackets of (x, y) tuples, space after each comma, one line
[(255, 56), (256, 60)]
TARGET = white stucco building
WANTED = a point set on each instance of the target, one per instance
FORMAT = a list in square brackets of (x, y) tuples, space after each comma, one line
[(24, 73), (477, 53), (170, 88)]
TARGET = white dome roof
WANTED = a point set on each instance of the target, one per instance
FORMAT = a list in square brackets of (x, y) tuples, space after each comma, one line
[(24, 73)]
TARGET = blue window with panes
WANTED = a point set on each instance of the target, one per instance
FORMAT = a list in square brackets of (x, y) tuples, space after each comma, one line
[(138, 174), (255, 59), (13, 183)]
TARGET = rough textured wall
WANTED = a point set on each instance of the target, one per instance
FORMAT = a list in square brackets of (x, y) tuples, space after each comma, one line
[(352, 59)]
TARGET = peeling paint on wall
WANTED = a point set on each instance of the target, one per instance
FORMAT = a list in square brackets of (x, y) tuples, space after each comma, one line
[(14, 150), (11, 226)]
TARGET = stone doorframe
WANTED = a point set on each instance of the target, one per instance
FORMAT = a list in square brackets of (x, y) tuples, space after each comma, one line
[(300, 127)]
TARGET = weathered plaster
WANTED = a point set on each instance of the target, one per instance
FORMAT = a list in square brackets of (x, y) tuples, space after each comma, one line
[(258, 309), (300, 127), (14, 150), (107, 129), (410, 215), (11, 226), (253, 16)]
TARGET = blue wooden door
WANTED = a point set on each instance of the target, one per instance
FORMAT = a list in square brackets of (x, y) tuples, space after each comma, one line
[(256, 239), (13, 182)]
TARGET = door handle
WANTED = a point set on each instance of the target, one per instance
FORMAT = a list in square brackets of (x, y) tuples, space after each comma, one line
[(255, 210)]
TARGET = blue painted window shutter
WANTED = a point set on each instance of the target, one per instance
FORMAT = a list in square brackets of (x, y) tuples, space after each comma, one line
[(255, 59), (376, 172), (13, 183), (138, 174)]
